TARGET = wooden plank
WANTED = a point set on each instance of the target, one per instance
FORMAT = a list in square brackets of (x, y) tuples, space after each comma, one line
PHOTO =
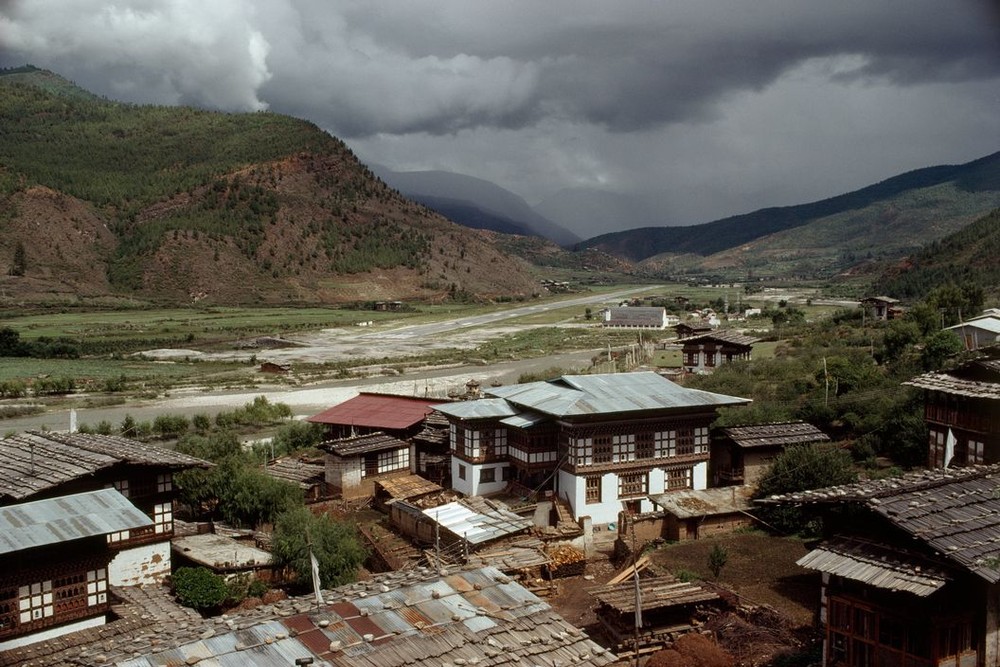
[(639, 566)]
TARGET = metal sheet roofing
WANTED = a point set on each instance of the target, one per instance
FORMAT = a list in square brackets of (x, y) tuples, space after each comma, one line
[(402, 619), (482, 408), (955, 513), (67, 518), (575, 395), (35, 461), (988, 323), (876, 565), (525, 420), (486, 522), (385, 411)]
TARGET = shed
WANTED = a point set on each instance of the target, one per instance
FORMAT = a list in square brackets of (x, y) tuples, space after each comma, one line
[(693, 514), (669, 608), (353, 464), (742, 454)]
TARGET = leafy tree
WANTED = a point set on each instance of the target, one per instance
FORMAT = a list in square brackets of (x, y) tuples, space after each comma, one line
[(199, 588), (899, 336), (297, 436), (10, 343), (802, 468), (938, 348), (335, 545)]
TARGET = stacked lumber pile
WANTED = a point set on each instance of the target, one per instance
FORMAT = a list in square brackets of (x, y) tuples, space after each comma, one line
[(565, 561)]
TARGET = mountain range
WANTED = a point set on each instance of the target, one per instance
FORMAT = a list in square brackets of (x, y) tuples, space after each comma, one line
[(101, 200)]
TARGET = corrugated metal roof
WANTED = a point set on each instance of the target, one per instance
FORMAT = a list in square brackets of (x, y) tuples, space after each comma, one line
[(35, 461), (481, 408), (954, 512), (525, 420), (988, 323), (67, 518), (477, 526), (473, 617), (573, 395), (876, 565), (377, 411)]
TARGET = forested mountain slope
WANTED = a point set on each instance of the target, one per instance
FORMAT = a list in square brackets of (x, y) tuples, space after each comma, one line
[(179, 204)]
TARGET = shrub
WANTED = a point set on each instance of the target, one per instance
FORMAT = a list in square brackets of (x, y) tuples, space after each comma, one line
[(199, 588)]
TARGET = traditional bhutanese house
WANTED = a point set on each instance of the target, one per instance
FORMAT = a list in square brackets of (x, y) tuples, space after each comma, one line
[(881, 307), (54, 563), (962, 413), (978, 332), (222, 555), (692, 515), (399, 416), (461, 526), (910, 568), (742, 454), (40, 465), (668, 608), (353, 464), (411, 488), (307, 474), (685, 329), (704, 353), (602, 443), (400, 619), (636, 317)]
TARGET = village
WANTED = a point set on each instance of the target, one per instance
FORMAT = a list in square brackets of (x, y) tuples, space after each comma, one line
[(530, 524)]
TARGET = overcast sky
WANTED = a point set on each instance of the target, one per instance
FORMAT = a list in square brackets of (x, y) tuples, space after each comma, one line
[(704, 108)]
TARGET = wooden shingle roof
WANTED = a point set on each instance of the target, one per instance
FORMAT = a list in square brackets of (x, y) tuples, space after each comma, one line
[(956, 513), (305, 474), (35, 461), (362, 444), (775, 435), (654, 593)]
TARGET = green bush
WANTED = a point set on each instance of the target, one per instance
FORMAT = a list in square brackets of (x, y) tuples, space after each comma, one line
[(199, 588), (335, 545)]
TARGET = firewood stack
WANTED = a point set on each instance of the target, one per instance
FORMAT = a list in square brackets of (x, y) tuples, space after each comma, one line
[(565, 561)]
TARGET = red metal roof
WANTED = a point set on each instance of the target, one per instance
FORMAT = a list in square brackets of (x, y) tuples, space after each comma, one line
[(381, 411)]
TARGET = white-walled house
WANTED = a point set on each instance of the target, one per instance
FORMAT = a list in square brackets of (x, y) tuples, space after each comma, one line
[(602, 443)]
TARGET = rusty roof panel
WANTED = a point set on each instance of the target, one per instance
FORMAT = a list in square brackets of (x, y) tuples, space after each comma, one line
[(370, 410)]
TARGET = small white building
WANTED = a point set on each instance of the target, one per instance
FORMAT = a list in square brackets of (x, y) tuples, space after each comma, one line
[(979, 332)]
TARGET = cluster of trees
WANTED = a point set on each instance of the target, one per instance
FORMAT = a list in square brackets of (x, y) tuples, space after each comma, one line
[(43, 347)]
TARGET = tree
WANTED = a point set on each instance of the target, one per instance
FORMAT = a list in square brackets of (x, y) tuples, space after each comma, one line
[(802, 468), (335, 545), (938, 348), (199, 588)]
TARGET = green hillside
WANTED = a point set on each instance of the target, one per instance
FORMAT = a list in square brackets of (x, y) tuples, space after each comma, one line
[(975, 182), (128, 156), (968, 257), (178, 204)]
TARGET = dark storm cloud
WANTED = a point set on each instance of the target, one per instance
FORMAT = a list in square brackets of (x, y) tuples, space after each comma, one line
[(696, 108), (440, 67)]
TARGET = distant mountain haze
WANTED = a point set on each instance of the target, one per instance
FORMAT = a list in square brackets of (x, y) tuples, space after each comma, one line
[(475, 202)]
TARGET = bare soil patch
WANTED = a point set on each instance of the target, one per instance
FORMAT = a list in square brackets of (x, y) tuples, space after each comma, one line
[(760, 569)]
